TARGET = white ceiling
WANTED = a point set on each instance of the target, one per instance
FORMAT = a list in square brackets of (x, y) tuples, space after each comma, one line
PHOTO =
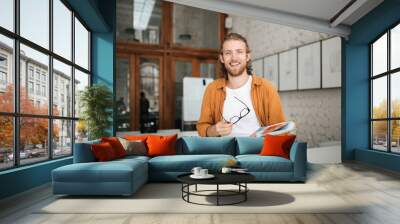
[(321, 9), (314, 15)]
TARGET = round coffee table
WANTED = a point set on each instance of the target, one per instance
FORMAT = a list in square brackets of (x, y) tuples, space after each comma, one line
[(238, 179)]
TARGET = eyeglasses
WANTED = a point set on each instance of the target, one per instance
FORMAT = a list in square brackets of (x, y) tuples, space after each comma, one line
[(243, 113)]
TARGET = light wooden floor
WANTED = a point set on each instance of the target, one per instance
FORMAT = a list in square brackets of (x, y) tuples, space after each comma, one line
[(378, 188)]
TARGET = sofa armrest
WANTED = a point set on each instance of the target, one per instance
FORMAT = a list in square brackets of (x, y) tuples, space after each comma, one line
[(83, 152), (298, 155)]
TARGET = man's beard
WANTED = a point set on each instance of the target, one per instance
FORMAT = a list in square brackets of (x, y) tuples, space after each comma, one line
[(236, 72)]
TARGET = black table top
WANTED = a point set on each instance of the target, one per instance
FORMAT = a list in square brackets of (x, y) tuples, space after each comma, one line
[(220, 178)]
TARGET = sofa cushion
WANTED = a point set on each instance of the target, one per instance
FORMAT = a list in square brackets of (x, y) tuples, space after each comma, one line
[(161, 145), (112, 171), (248, 145), (103, 151), (134, 147), (277, 145), (131, 158), (116, 145), (257, 163), (194, 145), (136, 137), (185, 163)]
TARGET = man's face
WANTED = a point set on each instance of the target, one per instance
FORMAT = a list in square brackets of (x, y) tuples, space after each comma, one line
[(234, 57)]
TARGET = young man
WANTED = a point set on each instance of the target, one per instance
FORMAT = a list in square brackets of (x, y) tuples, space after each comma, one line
[(239, 103)]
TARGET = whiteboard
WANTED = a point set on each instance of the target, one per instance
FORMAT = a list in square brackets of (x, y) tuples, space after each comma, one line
[(193, 91), (258, 67)]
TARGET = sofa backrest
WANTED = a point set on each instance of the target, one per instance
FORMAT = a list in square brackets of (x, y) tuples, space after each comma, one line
[(248, 145), (189, 145), (192, 145), (83, 152)]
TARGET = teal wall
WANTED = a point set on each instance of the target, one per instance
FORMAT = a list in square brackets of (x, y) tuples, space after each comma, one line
[(99, 15), (356, 86), (24, 178), (103, 50)]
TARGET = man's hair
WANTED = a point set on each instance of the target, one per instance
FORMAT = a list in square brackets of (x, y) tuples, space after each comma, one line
[(235, 36)]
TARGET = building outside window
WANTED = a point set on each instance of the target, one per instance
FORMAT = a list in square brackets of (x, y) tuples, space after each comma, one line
[(3, 72)]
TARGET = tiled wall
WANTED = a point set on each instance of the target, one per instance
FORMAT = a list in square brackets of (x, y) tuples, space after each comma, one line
[(317, 113)]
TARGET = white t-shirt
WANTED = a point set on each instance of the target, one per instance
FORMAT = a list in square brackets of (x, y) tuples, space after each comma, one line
[(232, 107)]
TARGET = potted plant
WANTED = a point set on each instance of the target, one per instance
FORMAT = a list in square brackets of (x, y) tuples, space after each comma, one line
[(96, 103)]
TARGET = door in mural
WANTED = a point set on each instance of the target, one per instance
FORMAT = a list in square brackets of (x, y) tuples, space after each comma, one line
[(138, 92), (148, 92), (182, 68), (122, 89)]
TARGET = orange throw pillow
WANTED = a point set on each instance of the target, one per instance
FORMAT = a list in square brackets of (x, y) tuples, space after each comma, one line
[(116, 145), (277, 145), (161, 145), (103, 152), (136, 137)]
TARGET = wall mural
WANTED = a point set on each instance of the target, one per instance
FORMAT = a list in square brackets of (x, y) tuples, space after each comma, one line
[(310, 66), (331, 63), (288, 70), (271, 69)]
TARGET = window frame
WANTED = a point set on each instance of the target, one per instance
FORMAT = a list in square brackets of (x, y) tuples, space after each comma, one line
[(16, 114), (388, 74)]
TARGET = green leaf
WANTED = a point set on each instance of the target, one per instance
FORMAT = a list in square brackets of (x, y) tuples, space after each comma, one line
[(96, 102)]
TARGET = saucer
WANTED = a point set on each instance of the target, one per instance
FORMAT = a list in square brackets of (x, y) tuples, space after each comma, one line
[(208, 176)]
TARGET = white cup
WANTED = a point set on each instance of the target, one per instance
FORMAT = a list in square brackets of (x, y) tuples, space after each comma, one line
[(196, 170), (203, 172), (226, 170)]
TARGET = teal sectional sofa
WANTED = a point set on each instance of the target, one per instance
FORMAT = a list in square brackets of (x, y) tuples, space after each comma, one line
[(125, 176)]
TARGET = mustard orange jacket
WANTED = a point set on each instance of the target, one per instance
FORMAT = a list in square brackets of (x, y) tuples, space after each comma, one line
[(265, 99)]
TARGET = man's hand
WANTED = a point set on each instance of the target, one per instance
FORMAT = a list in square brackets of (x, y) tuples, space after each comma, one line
[(221, 128)]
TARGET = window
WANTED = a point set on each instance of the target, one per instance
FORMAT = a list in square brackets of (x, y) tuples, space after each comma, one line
[(62, 74), (62, 29), (6, 73), (3, 72), (30, 87), (30, 72), (385, 91), (81, 81), (37, 89), (3, 61), (45, 131), (7, 14), (34, 22), (81, 45), (3, 78), (43, 90), (37, 74), (189, 35)]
